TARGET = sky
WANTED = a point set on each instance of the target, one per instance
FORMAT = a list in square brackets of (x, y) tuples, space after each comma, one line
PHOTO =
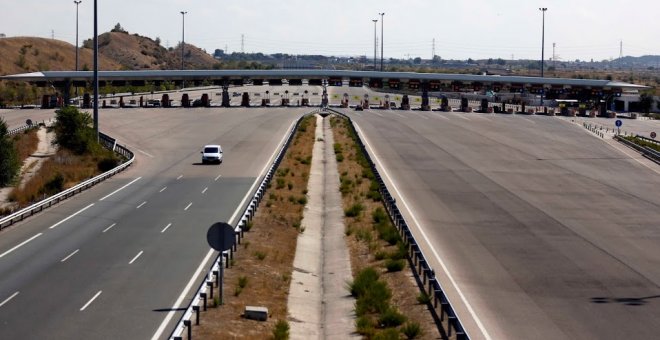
[(477, 29)]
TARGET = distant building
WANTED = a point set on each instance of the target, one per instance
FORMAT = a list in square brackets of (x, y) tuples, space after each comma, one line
[(2, 35)]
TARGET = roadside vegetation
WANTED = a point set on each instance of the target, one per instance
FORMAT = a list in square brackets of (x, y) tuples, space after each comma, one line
[(389, 304), (9, 158), (78, 158), (642, 142), (260, 272)]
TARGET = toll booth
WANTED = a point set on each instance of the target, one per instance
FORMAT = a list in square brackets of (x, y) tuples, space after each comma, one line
[(121, 102), (444, 104), (166, 100), (245, 100), (425, 97), (205, 100), (405, 102), (464, 104), (185, 100), (582, 109), (226, 102), (87, 99), (484, 105)]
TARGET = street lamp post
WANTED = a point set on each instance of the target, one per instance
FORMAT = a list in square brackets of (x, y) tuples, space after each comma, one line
[(96, 71), (183, 36), (77, 2), (382, 39), (542, 9), (375, 43)]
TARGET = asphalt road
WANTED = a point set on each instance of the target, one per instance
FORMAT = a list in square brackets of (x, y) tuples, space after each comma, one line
[(16, 118), (111, 264), (545, 230)]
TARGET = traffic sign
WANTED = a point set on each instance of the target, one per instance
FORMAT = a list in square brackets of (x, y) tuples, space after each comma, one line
[(618, 123), (653, 135), (221, 236)]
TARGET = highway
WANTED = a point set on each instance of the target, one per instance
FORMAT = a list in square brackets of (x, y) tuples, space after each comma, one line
[(112, 261), (545, 230)]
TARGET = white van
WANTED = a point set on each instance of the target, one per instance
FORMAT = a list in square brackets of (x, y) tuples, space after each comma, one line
[(212, 154)]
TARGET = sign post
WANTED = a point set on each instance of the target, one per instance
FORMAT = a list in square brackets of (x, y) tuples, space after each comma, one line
[(221, 236), (618, 124), (653, 134)]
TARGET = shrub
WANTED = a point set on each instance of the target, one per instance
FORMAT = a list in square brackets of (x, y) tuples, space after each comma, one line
[(281, 330), (54, 185), (363, 280), (340, 157), (260, 255), (391, 318), (73, 131), (354, 210), (379, 215), (302, 200), (387, 334), (364, 326), (9, 161), (280, 183), (108, 163), (242, 281), (423, 298), (395, 265), (412, 330)]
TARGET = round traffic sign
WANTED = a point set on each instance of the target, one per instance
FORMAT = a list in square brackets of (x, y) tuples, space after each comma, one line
[(653, 135), (618, 123), (221, 236)]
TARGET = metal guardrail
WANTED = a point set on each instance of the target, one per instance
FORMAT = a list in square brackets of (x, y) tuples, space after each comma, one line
[(212, 278), (645, 151), (48, 202), (415, 253), (19, 129)]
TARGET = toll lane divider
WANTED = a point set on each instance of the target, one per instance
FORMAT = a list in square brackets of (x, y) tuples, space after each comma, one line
[(211, 281), (416, 256), (107, 142)]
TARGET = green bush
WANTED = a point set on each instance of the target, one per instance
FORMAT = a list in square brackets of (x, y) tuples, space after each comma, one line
[(281, 330), (73, 131), (379, 215), (423, 298), (391, 318), (54, 185), (412, 330), (395, 265), (364, 326), (387, 334), (108, 163), (242, 281), (376, 299), (9, 163), (354, 210)]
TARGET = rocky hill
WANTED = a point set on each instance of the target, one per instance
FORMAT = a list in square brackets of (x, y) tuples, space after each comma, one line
[(29, 54)]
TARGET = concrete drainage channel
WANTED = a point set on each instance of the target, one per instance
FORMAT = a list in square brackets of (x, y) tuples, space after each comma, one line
[(212, 280), (443, 311), (107, 142)]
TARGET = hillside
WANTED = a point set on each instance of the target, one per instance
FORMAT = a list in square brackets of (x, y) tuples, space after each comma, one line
[(135, 52), (28, 54)]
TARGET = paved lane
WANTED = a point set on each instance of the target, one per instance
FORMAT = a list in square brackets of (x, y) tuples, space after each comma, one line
[(113, 266), (547, 231)]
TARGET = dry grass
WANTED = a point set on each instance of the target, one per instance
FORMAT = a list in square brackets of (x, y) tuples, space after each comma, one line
[(62, 171), (26, 144), (261, 270), (363, 240)]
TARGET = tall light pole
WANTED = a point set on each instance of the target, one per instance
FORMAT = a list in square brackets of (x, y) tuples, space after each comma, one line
[(96, 71), (77, 2), (183, 36), (382, 40), (375, 43), (542, 9)]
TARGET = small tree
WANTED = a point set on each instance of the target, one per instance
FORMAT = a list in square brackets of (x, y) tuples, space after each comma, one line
[(645, 102), (73, 130), (9, 162)]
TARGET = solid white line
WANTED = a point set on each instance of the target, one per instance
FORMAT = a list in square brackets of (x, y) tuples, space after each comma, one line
[(136, 257), (116, 191), (70, 217), (421, 230), (163, 189), (184, 293), (178, 178), (217, 178), (141, 204), (74, 253), (110, 227), (142, 152), (90, 301), (169, 225), (20, 245), (203, 191), (8, 299), (188, 206)]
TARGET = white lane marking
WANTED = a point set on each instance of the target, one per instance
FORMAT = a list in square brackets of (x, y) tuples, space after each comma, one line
[(70, 217), (178, 178), (8, 299), (423, 116), (166, 227), (461, 115), (217, 178), (141, 204), (184, 293), (136, 257), (188, 206), (20, 245), (440, 115), (204, 191), (110, 227), (142, 152), (116, 191), (398, 114), (163, 189), (90, 301), (68, 257), (421, 230)]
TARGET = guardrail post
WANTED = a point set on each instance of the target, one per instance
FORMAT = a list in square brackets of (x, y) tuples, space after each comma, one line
[(209, 285), (217, 278), (203, 296), (196, 310), (451, 321), (188, 327)]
